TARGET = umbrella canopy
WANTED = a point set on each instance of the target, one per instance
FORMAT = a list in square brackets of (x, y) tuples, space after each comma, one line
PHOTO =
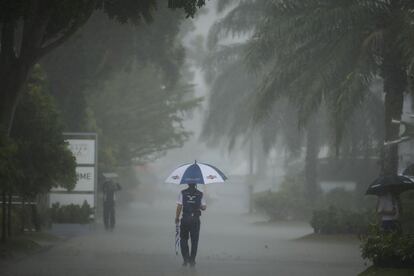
[(390, 184), (197, 173)]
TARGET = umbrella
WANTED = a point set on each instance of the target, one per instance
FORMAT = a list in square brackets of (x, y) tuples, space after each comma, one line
[(197, 173), (390, 184), (177, 238)]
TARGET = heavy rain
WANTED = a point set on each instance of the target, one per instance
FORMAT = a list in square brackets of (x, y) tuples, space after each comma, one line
[(218, 137)]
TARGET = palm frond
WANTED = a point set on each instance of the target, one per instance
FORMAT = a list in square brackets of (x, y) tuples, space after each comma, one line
[(239, 21)]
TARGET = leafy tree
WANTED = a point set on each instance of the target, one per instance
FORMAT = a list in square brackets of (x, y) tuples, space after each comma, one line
[(138, 117), (287, 67), (44, 159), (8, 172), (321, 51), (39, 159), (102, 48), (105, 54), (31, 29)]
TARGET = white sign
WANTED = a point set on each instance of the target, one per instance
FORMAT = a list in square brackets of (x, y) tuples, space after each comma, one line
[(83, 150), (85, 180)]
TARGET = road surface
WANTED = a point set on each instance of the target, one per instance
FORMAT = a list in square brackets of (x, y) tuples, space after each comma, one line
[(230, 244)]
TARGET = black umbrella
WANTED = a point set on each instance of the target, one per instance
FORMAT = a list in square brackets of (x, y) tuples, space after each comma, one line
[(390, 184)]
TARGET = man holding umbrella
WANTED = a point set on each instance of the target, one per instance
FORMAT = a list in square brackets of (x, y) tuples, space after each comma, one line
[(388, 188), (190, 202)]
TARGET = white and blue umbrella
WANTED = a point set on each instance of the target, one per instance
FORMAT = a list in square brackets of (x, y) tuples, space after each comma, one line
[(197, 173)]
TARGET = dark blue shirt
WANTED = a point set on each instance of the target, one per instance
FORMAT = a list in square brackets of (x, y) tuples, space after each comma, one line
[(192, 200)]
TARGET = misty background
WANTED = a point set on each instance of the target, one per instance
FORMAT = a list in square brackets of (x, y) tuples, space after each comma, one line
[(295, 101)]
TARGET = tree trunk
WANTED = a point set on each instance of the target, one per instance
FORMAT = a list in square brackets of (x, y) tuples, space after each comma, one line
[(251, 178), (9, 219), (23, 215), (11, 84), (395, 82), (35, 215), (10, 88), (4, 217), (311, 159)]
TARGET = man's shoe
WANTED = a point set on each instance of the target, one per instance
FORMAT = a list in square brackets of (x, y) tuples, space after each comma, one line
[(185, 263), (192, 264)]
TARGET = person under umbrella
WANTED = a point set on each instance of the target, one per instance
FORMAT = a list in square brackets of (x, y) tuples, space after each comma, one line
[(109, 189), (388, 209), (191, 202), (388, 188)]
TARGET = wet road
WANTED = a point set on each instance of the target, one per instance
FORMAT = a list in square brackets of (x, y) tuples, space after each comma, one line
[(230, 244)]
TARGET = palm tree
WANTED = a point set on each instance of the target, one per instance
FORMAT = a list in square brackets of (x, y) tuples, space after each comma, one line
[(229, 118), (325, 51), (292, 61)]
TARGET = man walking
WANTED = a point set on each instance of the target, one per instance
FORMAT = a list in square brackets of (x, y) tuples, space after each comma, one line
[(109, 189), (190, 202)]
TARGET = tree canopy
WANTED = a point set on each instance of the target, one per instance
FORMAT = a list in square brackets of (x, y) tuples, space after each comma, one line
[(138, 117), (102, 48), (42, 157), (329, 53), (126, 73), (31, 29)]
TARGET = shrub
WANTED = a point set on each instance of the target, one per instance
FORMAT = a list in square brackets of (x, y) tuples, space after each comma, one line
[(278, 206), (407, 212), (339, 198), (71, 213), (339, 221), (16, 221), (388, 249), (286, 204)]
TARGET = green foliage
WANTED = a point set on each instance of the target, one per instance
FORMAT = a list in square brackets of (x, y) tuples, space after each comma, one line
[(123, 79), (190, 7), (71, 213), (407, 212), (335, 212), (286, 204), (139, 117), (32, 29), (230, 110), (102, 48), (339, 198), (322, 54), (8, 165), (42, 156), (340, 221), (380, 271), (388, 249), (16, 218), (66, 15)]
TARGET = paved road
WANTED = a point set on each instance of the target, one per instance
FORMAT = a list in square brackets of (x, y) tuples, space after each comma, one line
[(230, 244)]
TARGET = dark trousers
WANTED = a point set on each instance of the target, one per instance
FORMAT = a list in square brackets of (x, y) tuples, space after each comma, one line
[(189, 228), (109, 215)]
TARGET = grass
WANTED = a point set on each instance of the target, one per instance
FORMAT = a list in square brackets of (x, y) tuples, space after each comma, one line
[(377, 271), (25, 244), (41, 237), (18, 246), (329, 238)]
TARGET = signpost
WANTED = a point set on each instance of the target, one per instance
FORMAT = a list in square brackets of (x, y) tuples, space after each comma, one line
[(84, 148)]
